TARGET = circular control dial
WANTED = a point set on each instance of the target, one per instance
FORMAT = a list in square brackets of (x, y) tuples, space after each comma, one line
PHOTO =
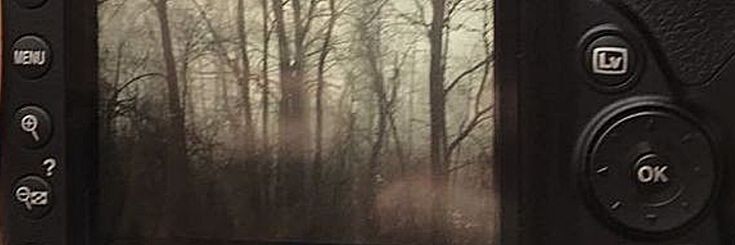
[(650, 169)]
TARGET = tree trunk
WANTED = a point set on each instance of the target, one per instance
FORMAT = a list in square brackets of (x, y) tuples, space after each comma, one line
[(245, 78), (253, 171), (266, 198), (439, 179), (370, 27), (186, 103), (321, 70), (265, 93), (293, 124), (176, 167)]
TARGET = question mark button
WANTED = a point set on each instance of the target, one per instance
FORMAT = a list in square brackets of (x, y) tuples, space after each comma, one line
[(32, 197)]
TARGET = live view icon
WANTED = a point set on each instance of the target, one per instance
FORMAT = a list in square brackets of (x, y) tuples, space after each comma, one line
[(610, 61)]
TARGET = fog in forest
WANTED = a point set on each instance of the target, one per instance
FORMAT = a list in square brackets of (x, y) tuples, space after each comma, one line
[(366, 121)]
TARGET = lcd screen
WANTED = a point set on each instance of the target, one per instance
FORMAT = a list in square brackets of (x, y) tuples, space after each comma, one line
[(338, 121)]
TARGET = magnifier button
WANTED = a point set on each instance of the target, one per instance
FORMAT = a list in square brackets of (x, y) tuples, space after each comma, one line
[(34, 127)]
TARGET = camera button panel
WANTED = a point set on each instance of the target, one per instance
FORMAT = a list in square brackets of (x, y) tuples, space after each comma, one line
[(31, 57), (34, 125), (33, 197), (48, 100), (650, 170)]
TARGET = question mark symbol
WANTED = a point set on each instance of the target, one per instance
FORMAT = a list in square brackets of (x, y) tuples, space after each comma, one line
[(49, 164)]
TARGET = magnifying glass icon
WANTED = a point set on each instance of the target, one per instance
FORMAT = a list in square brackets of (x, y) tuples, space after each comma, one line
[(29, 124), (23, 195)]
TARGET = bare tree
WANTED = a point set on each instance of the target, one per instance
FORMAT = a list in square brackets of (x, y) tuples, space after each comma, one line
[(264, 167), (370, 27), (294, 131), (440, 180), (176, 164), (265, 90), (244, 78), (325, 51)]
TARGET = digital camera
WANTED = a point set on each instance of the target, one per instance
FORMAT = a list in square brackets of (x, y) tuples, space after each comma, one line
[(223, 122)]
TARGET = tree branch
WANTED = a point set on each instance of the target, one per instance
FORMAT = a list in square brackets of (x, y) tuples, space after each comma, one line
[(465, 74), (135, 79), (476, 121)]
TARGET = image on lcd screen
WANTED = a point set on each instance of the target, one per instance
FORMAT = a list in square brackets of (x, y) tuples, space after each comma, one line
[(342, 121)]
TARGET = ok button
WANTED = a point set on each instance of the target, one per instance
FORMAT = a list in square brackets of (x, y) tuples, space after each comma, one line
[(652, 170), (656, 180), (653, 174)]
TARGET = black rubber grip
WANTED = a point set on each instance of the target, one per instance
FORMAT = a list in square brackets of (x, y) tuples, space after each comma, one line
[(695, 37)]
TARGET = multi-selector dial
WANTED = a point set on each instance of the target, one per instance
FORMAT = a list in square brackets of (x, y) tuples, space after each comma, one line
[(649, 168)]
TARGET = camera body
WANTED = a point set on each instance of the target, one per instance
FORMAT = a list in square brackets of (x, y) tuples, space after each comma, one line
[(615, 122)]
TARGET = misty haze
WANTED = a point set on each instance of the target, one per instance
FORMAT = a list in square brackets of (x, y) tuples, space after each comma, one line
[(365, 121)]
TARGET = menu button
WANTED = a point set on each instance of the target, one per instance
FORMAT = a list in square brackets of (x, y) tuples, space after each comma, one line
[(31, 57)]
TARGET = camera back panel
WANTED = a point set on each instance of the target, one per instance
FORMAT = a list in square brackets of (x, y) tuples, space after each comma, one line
[(614, 126)]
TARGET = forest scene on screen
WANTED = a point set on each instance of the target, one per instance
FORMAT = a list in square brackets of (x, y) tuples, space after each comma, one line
[(365, 121)]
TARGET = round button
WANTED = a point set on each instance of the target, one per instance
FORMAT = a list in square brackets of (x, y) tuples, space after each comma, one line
[(609, 59), (649, 169), (656, 180), (34, 127), (652, 171), (33, 197), (31, 57), (31, 3)]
